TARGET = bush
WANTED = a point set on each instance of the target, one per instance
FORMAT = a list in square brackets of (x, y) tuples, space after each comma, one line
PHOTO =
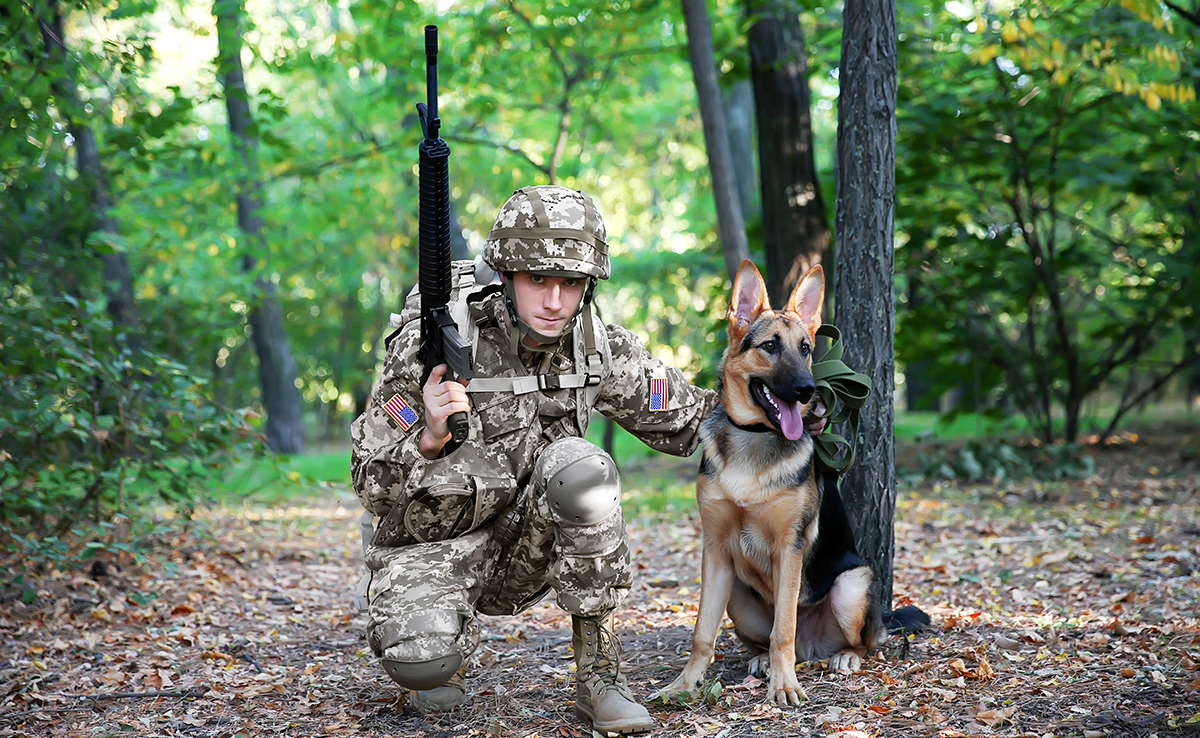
[(980, 461), (90, 428)]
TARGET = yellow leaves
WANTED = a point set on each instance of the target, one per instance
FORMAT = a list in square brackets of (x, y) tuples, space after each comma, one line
[(1009, 34), (987, 53), (983, 671)]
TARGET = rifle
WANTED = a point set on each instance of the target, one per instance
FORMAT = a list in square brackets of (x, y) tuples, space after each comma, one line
[(441, 342)]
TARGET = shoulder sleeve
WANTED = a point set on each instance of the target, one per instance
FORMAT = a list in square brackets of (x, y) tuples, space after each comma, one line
[(651, 400), (384, 453)]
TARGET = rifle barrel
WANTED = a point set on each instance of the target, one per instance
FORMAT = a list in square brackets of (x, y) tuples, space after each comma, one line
[(431, 75)]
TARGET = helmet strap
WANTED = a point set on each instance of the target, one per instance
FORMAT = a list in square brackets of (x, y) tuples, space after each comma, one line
[(519, 329)]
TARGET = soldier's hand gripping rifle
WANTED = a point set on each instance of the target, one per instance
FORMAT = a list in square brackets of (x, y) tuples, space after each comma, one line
[(441, 342)]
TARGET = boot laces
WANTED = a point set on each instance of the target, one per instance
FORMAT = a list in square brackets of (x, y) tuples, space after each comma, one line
[(607, 667)]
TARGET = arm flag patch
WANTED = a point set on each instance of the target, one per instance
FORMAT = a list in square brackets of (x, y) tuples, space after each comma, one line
[(401, 412), (658, 393)]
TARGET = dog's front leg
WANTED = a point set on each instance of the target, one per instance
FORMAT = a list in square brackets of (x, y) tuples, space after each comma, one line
[(717, 583), (785, 687)]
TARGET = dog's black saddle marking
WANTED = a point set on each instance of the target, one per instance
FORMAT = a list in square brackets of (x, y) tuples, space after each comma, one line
[(834, 551)]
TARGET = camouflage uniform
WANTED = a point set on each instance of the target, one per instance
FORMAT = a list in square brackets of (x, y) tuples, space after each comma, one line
[(439, 556)]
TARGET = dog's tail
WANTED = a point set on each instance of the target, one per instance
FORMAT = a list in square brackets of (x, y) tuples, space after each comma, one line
[(907, 619)]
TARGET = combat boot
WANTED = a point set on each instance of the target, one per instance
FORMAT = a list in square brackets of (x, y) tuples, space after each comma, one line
[(601, 693), (446, 697)]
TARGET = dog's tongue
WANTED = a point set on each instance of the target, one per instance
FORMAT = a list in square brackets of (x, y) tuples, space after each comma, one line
[(790, 420)]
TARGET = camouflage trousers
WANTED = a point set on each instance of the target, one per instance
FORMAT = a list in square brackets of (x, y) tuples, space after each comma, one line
[(424, 597)]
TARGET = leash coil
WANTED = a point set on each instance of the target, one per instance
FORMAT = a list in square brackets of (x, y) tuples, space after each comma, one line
[(844, 392)]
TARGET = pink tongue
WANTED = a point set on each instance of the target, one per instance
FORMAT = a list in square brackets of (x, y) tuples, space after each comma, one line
[(790, 419)]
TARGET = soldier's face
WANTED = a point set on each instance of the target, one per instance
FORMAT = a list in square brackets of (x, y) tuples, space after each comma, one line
[(547, 304)]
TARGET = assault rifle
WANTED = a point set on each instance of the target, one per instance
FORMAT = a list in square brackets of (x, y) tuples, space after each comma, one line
[(441, 342)]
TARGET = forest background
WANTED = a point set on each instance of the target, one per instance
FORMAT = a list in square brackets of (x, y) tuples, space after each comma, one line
[(208, 211)]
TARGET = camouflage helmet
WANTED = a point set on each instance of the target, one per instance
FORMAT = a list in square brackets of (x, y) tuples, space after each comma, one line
[(551, 230)]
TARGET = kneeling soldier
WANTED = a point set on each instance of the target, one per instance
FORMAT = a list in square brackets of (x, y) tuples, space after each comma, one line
[(524, 505)]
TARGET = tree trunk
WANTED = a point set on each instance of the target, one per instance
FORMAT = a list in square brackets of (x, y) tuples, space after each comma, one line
[(738, 101), (795, 225), (118, 281), (720, 162), (276, 369), (918, 388), (864, 299)]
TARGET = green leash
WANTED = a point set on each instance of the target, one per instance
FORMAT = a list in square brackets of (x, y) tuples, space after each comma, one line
[(844, 392)]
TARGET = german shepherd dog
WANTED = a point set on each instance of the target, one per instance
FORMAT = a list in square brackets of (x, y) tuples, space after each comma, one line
[(778, 554)]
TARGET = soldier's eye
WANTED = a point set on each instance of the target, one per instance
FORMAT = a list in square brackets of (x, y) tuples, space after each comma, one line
[(536, 278), (572, 283)]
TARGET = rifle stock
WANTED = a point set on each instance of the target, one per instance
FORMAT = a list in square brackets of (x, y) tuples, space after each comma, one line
[(441, 342)]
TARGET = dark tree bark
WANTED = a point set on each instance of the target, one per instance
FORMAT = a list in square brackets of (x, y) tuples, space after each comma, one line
[(730, 222), (118, 280), (276, 368), (795, 225), (863, 294), (738, 101)]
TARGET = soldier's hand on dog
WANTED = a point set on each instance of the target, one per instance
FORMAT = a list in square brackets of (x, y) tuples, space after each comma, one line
[(815, 425), (442, 399)]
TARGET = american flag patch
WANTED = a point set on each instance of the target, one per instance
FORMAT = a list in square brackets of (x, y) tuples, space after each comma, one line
[(400, 412), (658, 393)]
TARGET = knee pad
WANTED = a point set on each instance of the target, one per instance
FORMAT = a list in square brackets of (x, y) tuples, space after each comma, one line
[(420, 651), (423, 675), (582, 483)]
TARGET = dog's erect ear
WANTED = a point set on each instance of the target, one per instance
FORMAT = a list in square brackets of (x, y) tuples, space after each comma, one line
[(749, 298), (807, 298)]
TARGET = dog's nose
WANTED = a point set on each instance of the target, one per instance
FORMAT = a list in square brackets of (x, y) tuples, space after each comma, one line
[(804, 393)]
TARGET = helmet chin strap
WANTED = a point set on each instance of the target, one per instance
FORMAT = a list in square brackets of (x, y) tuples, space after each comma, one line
[(539, 341)]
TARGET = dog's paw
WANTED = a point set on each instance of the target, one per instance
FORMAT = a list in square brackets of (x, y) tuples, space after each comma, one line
[(760, 666), (845, 662), (786, 692), (677, 691)]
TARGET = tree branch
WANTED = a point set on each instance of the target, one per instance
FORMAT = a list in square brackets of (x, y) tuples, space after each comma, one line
[(1192, 17)]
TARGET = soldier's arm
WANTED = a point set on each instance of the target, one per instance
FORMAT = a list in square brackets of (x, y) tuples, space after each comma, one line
[(385, 452), (634, 401)]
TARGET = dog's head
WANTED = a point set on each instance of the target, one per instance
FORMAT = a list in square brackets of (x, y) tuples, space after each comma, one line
[(766, 374)]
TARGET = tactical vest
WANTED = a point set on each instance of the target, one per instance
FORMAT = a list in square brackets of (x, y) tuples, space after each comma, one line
[(473, 281)]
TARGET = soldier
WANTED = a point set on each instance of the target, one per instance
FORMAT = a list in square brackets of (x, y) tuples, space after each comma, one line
[(525, 504)]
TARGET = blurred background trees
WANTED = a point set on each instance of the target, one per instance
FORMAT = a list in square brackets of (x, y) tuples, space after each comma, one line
[(1045, 204)]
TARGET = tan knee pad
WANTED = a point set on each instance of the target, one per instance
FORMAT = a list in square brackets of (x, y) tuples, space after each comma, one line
[(581, 481), (420, 650)]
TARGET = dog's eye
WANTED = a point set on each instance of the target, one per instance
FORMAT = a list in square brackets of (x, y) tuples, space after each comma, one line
[(804, 348), (769, 345)]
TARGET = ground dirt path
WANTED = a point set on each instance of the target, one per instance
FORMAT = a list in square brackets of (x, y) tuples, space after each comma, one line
[(1068, 609)]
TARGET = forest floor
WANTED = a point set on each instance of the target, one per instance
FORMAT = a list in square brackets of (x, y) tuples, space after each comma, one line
[(1066, 609)]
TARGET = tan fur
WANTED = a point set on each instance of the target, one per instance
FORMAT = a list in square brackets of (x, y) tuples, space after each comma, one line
[(759, 506)]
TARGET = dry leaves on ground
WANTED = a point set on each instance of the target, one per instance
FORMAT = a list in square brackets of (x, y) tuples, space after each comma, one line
[(1067, 609)]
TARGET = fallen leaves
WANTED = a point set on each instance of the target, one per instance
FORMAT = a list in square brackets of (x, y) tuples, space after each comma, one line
[(1083, 600), (982, 671)]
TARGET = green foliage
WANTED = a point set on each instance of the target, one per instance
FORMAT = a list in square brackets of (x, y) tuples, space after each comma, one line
[(1069, 129), (990, 461), (1045, 253), (279, 480), (91, 427)]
